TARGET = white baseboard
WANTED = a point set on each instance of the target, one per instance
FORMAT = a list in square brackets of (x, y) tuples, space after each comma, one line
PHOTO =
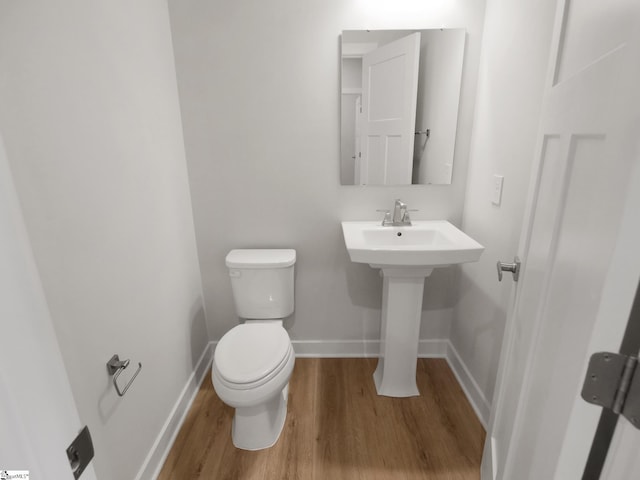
[(336, 348), (360, 348), (158, 454), (438, 348), (432, 348), (471, 389)]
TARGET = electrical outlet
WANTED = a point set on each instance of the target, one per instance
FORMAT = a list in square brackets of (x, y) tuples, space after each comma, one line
[(496, 197)]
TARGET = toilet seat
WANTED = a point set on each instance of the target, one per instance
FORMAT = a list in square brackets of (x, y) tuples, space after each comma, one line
[(251, 354)]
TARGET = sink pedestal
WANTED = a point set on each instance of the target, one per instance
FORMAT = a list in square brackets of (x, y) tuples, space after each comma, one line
[(406, 255), (395, 375)]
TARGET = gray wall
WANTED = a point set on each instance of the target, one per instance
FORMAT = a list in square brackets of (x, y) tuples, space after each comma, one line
[(259, 93), (513, 68), (441, 66), (89, 112)]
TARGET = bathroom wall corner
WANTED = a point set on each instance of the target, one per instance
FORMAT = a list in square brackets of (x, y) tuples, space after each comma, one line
[(164, 441), (471, 389)]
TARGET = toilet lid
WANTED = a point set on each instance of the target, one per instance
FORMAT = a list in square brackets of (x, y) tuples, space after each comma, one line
[(251, 351)]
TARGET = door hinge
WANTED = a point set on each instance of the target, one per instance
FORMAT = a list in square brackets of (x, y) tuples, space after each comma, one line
[(613, 382)]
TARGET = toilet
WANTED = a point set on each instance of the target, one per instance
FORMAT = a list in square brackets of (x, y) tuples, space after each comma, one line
[(253, 361)]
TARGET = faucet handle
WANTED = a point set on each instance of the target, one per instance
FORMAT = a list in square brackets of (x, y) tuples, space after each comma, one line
[(406, 218), (387, 217)]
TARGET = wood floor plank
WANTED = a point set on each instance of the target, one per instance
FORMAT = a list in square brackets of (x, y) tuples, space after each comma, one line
[(337, 427), (203, 428), (292, 457)]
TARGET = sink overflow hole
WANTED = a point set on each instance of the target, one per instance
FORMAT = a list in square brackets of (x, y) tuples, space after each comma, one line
[(399, 234)]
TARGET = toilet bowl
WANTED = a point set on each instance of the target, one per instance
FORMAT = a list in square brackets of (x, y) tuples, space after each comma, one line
[(253, 362), (254, 381)]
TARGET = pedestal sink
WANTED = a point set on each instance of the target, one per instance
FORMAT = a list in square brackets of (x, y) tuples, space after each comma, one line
[(406, 255)]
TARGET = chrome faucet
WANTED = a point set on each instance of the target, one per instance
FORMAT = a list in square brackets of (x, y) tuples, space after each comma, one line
[(400, 213), (400, 216)]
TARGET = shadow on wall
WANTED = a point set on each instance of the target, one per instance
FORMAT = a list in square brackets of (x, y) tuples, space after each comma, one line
[(109, 401), (289, 322), (199, 333), (440, 289), (482, 342), (364, 284)]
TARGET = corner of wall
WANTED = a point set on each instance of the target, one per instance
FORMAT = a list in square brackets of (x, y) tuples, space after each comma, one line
[(164, 441)]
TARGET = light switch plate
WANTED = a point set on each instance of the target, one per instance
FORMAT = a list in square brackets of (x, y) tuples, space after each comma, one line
[(496, 197)]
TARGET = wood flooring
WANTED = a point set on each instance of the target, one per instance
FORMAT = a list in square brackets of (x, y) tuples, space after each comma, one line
[(337, 428)]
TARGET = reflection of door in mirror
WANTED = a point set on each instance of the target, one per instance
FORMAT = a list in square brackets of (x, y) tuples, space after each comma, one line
[(438, 92), (389, 95)]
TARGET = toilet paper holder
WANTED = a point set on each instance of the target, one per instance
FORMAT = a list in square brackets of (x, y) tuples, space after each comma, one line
[(115, 366)]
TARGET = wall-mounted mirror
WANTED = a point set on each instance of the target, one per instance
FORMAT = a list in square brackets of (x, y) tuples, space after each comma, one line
[(400, 92)]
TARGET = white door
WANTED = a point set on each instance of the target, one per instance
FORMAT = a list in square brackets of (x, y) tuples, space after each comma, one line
[(580, 250), (389, 96), (38, 417)]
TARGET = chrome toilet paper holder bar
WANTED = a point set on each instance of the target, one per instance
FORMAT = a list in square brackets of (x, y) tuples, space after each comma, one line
[(115, 366)]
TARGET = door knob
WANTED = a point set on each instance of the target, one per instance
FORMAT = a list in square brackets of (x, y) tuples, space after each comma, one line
[(514, 268)]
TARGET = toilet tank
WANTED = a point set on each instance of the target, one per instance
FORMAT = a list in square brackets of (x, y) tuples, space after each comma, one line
[(262, 282)]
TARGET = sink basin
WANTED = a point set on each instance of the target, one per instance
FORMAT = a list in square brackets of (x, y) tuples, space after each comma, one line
[(406, 256), (423, 244)]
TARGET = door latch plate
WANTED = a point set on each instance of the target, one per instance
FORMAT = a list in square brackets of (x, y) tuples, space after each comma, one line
[(80, 452)]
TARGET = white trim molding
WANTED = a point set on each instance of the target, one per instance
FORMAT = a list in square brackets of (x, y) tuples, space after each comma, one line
[(360, 348), (156, 457), (474, 394)]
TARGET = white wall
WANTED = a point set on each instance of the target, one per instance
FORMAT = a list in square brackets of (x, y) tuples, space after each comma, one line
[(37, 410), (351, 93), (513, 67), (259, 92), (441, 67), (89, 111)]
